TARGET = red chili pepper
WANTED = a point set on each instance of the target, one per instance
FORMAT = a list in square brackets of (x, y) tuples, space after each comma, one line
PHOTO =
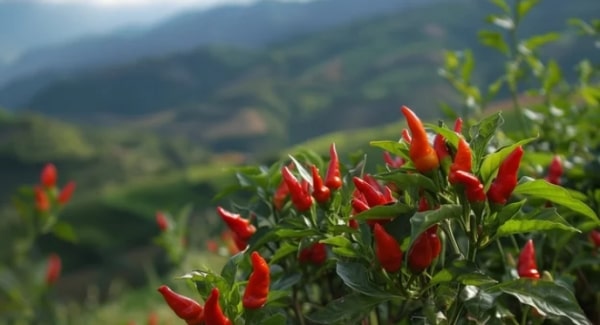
[(65, 194), (387, 250), (299, 193), (372, 195), (241, 228), (421, 153), (161, 221), (424, 250), (406, 136), (458, 125), (333, 178), (462, 159), (49, 175), (280, 195), (213, 314), (595, 238), (53, 269), (257, 289), (392, 162), (555, 171), (153, 318), (321, 193), (526, 266), (184, 307), (42, 203), (315, 254), (441, 148), (506, 181), (473, 187)]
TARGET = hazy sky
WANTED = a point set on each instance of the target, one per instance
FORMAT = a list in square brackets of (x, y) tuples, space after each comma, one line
[(170, 3)]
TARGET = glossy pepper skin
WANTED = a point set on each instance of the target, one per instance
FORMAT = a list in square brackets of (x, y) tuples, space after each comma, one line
[(526, 266), (48, 176), (257, 289), (421, 152), (299, 193), (213, 314), (53, 269), (555, 171), (241, 228), (387, 250), (473, 187), (424, 250), (65, 193), (321, 193), (184, 307), (463, 158), (280, 195), (506, 181), (372, 195), (333, 177)]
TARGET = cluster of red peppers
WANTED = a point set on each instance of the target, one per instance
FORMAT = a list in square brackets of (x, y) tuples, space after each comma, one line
[(45, 192), (315, 254), (255, 296)]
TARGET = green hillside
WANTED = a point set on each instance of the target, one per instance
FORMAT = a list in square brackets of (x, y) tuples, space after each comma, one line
[(343, 78)]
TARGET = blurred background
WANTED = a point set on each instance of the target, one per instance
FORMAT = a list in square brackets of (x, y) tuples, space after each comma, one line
[(145, 103)]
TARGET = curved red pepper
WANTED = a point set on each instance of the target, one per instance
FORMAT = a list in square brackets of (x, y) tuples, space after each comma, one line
[(184, 307), (53, 269), (458, 125), (161, 221), (241, 228), (506, 181), (434, 240), (49, 175), (463, 157), (213, 314), (421, 153), (321, 193), (333, 177), (595, 238), (257, 289), (372, 195), (42, 202), (406, 136), (473, 187), (65, 194), (526, 266), (299, 193), (392, 162), (280, 195), (387, 250), (424, 250), (555, 171), (441, 148)]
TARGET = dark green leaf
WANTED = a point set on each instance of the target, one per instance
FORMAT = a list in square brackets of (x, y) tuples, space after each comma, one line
[(405, 180), (384, 211), (555, 194), (548, 219), (509, 211), (547, 297), (287, 281), (338, 241), (463, 272), (345, 310), (423, 220), (284, 250), (276, 319), (481, 134), (65, 232), (356, 276), (295, 233)]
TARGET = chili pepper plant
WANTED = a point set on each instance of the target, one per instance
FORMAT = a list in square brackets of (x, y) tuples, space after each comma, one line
[(447, 229)]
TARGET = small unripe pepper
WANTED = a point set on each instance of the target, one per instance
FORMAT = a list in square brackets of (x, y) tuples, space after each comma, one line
[(321, 193), (333, 177), (53, 269), (213, 314), (506, 181), (161, 221), (526, 266), (184, 307), (241, 228), (257, 289), (48, 176), (299, 193), (65, 194), (42, 202), (387, 250), (421, 153), (555, 171)]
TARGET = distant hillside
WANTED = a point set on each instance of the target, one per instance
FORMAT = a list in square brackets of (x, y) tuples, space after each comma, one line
[(347, 77), (240, 26)]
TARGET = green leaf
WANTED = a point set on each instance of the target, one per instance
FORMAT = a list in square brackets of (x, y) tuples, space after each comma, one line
[(547, 297), (384, 211), (64, 231), (555, 194), (548, 219), (481, 134), (450, 136), (539, 40), (394, 147), (491, 162), (338, 241), (525, 6), (287, 281), (493, 40), (295, 233), (553, 76), (345, 251), (468, 64), (356, 276), (464, 272), (423, 220), (405, 180), (345, 310), (284, 250), (303, 172), (276, 319), (502, 5), (509, 211)]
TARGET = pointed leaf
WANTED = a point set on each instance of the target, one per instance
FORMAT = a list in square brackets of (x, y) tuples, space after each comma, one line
[(481, 134), (346, 310), (546, 220), (423, 220), (404, 180), (356, 276), (384, 211)]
